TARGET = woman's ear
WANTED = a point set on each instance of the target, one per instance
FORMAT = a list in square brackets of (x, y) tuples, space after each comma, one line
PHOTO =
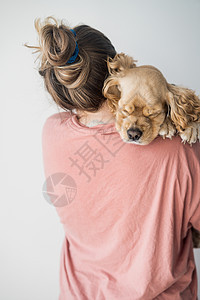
[(111, 91), (184, 106)]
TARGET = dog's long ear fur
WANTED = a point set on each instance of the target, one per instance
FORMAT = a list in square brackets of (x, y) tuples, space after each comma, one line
[(111, 91), (184, 106), (120, 63), (116, 67)]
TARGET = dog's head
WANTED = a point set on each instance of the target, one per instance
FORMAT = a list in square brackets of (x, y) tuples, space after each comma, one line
[(141, 98)]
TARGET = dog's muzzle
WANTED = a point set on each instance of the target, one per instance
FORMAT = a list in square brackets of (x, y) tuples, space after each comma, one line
[(134, 134)]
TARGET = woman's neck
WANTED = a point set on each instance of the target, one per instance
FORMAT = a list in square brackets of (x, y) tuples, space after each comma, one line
[(102, 116)]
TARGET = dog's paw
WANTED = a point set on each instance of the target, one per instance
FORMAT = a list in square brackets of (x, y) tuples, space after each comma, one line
[(167, 129), (191, 134)]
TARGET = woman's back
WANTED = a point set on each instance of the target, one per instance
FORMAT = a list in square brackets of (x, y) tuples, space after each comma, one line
[(127, 212)]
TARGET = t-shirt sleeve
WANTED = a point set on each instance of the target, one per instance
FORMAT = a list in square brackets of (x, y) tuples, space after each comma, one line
[(195, 215), (48, 135), (194, 203), (50, 138)]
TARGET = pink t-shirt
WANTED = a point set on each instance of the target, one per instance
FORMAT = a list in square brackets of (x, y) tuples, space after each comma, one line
[(127, 212)]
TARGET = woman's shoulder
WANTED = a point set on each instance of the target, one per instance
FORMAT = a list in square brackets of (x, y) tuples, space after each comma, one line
[(52, 125), (56, 119), (176, 150)]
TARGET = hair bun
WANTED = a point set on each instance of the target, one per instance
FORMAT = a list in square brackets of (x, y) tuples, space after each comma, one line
[(74, 82), (57, 42)]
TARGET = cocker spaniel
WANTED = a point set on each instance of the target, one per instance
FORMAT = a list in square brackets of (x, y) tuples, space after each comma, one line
[(145, 105)]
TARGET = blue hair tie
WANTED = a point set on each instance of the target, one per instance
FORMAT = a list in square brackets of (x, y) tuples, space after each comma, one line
[(76, 51), (72, 30)]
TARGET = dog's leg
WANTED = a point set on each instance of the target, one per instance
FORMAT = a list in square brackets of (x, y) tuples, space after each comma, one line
[(167, 129), (191, 134)]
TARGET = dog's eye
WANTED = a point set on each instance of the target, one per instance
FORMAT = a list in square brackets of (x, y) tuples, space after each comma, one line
[(154, 114), (127, 109), (125, 112), (148, 112)]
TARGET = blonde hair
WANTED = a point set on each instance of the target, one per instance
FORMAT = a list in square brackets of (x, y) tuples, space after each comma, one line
[(77, 85)]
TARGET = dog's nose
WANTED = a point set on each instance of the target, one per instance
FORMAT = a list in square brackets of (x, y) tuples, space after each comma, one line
[(134, 134)]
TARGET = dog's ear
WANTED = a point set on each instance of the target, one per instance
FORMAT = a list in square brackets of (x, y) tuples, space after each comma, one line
[(111, 91), (120, 63), (184, 106), (116, 68)]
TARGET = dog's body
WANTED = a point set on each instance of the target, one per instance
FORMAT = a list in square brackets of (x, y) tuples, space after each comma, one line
[(145, 105)]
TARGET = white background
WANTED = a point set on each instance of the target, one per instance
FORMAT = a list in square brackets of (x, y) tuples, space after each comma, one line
[(165, 34)]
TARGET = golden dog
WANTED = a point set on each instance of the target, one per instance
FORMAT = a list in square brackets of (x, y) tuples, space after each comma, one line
[(145, 105)]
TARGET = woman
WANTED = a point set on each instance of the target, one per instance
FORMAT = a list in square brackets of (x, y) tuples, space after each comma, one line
[(127, 210)]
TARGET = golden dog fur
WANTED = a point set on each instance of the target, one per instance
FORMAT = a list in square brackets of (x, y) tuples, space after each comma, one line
[(142, 99), (145, 105)]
